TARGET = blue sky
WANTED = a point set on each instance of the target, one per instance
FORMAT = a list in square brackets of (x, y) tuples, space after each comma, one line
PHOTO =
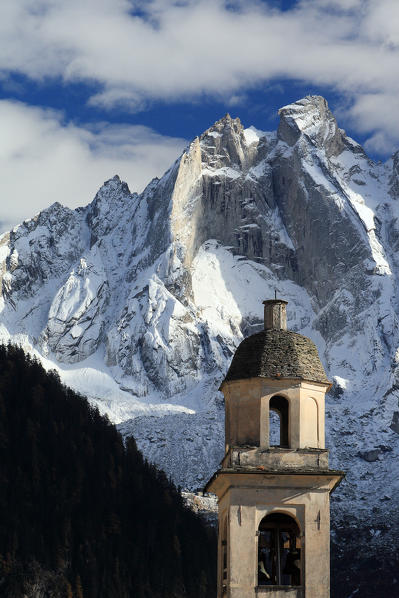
[(90, 88)]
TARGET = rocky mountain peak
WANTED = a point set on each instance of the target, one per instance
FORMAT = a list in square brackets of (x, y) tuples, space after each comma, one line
[(103, 212), (224, 143), (312, 117), (225, 121), (145, 298), (113, 189)]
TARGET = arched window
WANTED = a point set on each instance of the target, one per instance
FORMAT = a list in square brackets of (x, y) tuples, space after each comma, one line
[(278, 421), (279, 551)]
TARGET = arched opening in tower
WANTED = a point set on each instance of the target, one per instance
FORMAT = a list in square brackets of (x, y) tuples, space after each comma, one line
[(279, 551), (278, 421)]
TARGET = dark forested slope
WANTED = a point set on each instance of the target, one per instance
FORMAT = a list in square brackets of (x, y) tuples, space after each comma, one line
[(82, 515)]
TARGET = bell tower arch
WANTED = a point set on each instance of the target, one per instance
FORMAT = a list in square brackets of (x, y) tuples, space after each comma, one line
[(274, 483)]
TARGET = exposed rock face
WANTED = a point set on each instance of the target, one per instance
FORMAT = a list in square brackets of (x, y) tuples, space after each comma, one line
[(312, 119), (75, 321), (141, 300)]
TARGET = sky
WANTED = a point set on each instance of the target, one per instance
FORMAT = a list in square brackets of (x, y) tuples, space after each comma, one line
[(94, 88)]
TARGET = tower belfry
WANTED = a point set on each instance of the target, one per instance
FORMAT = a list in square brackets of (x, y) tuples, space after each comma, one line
[(274, 483)]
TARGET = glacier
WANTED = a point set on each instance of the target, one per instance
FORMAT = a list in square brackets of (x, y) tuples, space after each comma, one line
[(140, 300)]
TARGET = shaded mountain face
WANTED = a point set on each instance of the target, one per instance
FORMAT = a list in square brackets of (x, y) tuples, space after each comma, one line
[(140, 301)]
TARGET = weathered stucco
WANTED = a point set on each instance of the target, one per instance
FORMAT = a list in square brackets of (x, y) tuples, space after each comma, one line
[(279, 371), (247, 411), (276, 458), (245, 498)]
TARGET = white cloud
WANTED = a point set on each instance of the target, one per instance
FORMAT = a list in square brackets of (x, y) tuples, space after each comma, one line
[(43, 159), (190, 47), (377, 113), (381, 143), (181, 50)]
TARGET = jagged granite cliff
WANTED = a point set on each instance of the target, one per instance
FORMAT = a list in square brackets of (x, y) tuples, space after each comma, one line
[(139, 301)]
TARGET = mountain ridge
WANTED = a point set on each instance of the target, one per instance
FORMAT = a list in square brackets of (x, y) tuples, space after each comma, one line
[(140, 301)]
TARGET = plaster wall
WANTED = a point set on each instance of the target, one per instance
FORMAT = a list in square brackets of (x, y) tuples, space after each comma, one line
[(247, 412), (317, 561), (242, 413), (312, 415), (246, 503), (277, 458), (223, 538)]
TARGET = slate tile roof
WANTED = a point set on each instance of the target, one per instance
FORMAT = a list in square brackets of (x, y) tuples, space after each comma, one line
[(277, 354)]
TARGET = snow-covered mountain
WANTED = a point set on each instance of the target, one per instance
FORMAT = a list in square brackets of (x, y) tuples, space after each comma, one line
[(139, 301)]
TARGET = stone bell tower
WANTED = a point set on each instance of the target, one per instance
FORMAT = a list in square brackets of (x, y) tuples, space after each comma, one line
[(274, 483)]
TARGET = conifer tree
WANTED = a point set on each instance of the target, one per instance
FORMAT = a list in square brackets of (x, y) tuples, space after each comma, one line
[(87, 516)]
